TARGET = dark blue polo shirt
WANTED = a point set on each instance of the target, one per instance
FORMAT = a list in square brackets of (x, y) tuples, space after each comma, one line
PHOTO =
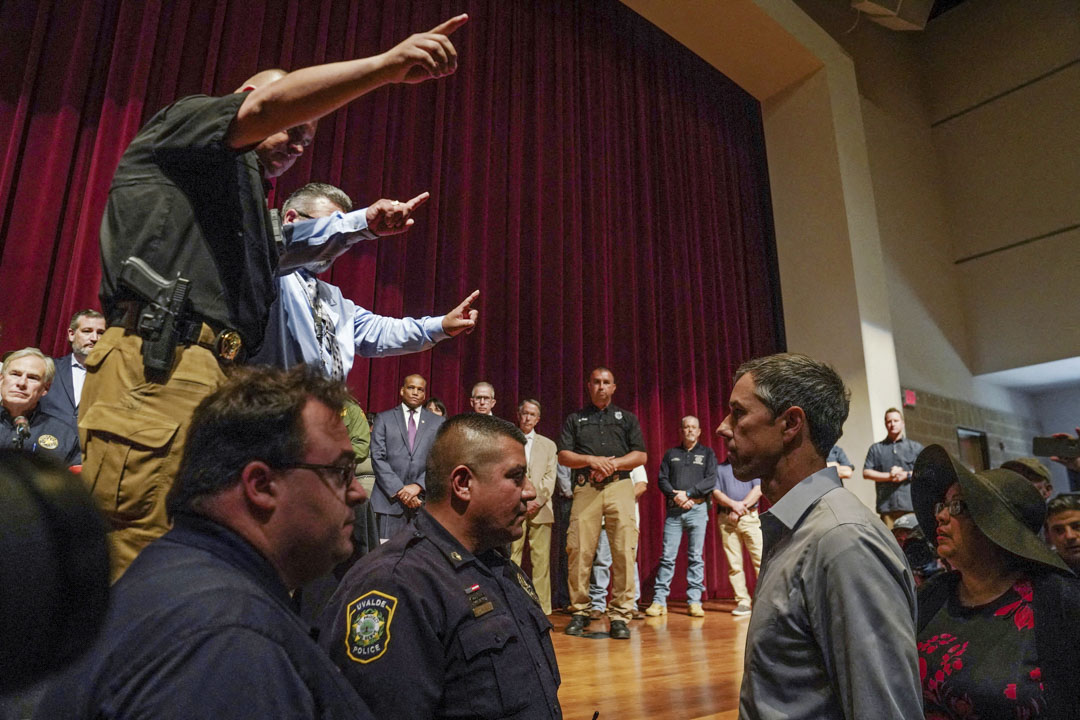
[(693, 471)]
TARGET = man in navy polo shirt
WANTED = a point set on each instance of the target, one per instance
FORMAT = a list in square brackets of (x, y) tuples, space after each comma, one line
[(687, 475)]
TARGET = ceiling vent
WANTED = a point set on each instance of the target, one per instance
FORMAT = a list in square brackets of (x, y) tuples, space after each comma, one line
[(896, 14)]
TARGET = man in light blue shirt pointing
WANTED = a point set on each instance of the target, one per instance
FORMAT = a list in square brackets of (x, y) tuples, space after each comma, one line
[(312, 322)]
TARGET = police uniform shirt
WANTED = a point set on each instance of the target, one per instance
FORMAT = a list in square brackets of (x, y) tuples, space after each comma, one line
[(692, 471), (611, 432), (49, 436), (186, 203), (424, 629)]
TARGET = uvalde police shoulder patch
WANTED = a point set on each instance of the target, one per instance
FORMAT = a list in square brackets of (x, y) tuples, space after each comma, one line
[(368, 618)]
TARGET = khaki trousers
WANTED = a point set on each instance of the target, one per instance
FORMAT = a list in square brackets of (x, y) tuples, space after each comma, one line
[(733, 536), (612, 505), (539, 537), (132, 433)]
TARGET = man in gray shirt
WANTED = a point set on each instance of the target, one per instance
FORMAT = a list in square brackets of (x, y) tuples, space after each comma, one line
[(833, 629)]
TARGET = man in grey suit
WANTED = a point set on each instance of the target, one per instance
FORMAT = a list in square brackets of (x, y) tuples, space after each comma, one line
[(400, 441), (62, 401)]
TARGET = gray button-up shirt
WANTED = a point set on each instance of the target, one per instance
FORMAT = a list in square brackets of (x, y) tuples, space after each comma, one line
[(833, 629)]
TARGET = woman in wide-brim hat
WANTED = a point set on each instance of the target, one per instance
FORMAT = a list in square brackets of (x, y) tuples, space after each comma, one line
[(998, 636)]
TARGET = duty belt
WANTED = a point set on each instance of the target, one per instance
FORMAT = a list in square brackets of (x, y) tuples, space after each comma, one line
[(225, 343), (581, 477)]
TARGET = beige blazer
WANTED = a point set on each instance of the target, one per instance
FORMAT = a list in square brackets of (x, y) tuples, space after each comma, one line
[(542, 461)]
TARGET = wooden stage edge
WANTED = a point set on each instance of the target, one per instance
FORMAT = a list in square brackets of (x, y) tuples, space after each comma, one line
[(673, 666)]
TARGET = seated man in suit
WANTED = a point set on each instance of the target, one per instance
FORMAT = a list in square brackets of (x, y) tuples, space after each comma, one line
[(24, 381), (86, 328), (400, 441)]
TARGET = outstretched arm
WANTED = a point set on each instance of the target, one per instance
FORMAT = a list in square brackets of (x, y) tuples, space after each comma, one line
[(310, 93)]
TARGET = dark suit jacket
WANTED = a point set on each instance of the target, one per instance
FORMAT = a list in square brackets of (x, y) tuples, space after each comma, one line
[(60, 400), (394, 464)]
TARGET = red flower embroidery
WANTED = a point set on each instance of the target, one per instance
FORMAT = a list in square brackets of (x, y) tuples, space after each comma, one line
[(1010, 691), (1004, 610), (1036, 674), (1020, 610)]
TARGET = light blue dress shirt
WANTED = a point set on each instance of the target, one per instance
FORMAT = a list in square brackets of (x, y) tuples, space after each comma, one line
[(290, 333)]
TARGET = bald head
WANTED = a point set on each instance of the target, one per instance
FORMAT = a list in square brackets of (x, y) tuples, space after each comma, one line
[(263, 77), (413, 391)]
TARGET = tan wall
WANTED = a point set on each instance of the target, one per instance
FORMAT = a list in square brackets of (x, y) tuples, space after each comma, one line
[(1003, 94), (994, 175)]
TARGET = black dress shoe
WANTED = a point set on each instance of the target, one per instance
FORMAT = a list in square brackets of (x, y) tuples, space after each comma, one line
[(619, 631), (577, 625)]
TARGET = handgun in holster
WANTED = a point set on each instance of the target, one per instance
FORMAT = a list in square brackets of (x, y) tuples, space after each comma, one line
[(161, 318)]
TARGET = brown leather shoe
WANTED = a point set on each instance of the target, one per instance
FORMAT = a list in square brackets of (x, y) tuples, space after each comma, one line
[(596, 614)]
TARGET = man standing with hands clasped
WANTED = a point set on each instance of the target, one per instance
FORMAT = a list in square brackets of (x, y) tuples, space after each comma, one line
[(601, 444), (889, 464), (687, 475)]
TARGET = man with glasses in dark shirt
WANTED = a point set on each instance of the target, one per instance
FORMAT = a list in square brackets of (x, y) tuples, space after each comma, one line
[(201, 625)]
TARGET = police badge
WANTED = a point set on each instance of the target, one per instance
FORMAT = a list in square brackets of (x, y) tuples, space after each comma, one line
[(368, 618), (48, 442)]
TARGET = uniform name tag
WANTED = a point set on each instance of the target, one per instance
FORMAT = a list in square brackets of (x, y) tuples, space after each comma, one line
[(699, 459), (478, 601)]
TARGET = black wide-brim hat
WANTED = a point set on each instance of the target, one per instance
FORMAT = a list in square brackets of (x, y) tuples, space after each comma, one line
[(1002, 504)]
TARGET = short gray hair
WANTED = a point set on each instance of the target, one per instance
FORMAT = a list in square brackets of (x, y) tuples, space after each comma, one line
[(50, 366), (787, 380), (313, 191)]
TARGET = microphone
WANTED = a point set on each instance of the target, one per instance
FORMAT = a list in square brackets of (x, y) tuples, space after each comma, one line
[(22, 431)]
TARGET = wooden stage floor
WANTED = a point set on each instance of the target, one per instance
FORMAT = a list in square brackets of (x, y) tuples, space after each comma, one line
[(673, 666)]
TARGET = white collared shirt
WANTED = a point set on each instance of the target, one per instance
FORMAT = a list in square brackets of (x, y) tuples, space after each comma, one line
[(78, 377), (529, 438)]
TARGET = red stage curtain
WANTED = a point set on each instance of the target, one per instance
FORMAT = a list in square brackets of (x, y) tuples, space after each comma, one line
[(602, 186)]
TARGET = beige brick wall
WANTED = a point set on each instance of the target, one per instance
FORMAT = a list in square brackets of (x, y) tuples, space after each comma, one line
[(935, 419)]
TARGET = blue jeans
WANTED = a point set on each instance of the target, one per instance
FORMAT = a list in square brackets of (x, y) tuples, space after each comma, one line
[(601, 575), (677, 522)]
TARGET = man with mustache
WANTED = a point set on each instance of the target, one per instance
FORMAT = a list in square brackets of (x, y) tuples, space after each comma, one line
[(437, 622)]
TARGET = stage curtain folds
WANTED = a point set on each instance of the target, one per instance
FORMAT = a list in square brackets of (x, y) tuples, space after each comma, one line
[(603, 187)]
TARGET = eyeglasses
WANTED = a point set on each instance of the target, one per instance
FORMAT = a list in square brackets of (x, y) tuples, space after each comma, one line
[(955, 508), (343, 474), (482, 398)]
